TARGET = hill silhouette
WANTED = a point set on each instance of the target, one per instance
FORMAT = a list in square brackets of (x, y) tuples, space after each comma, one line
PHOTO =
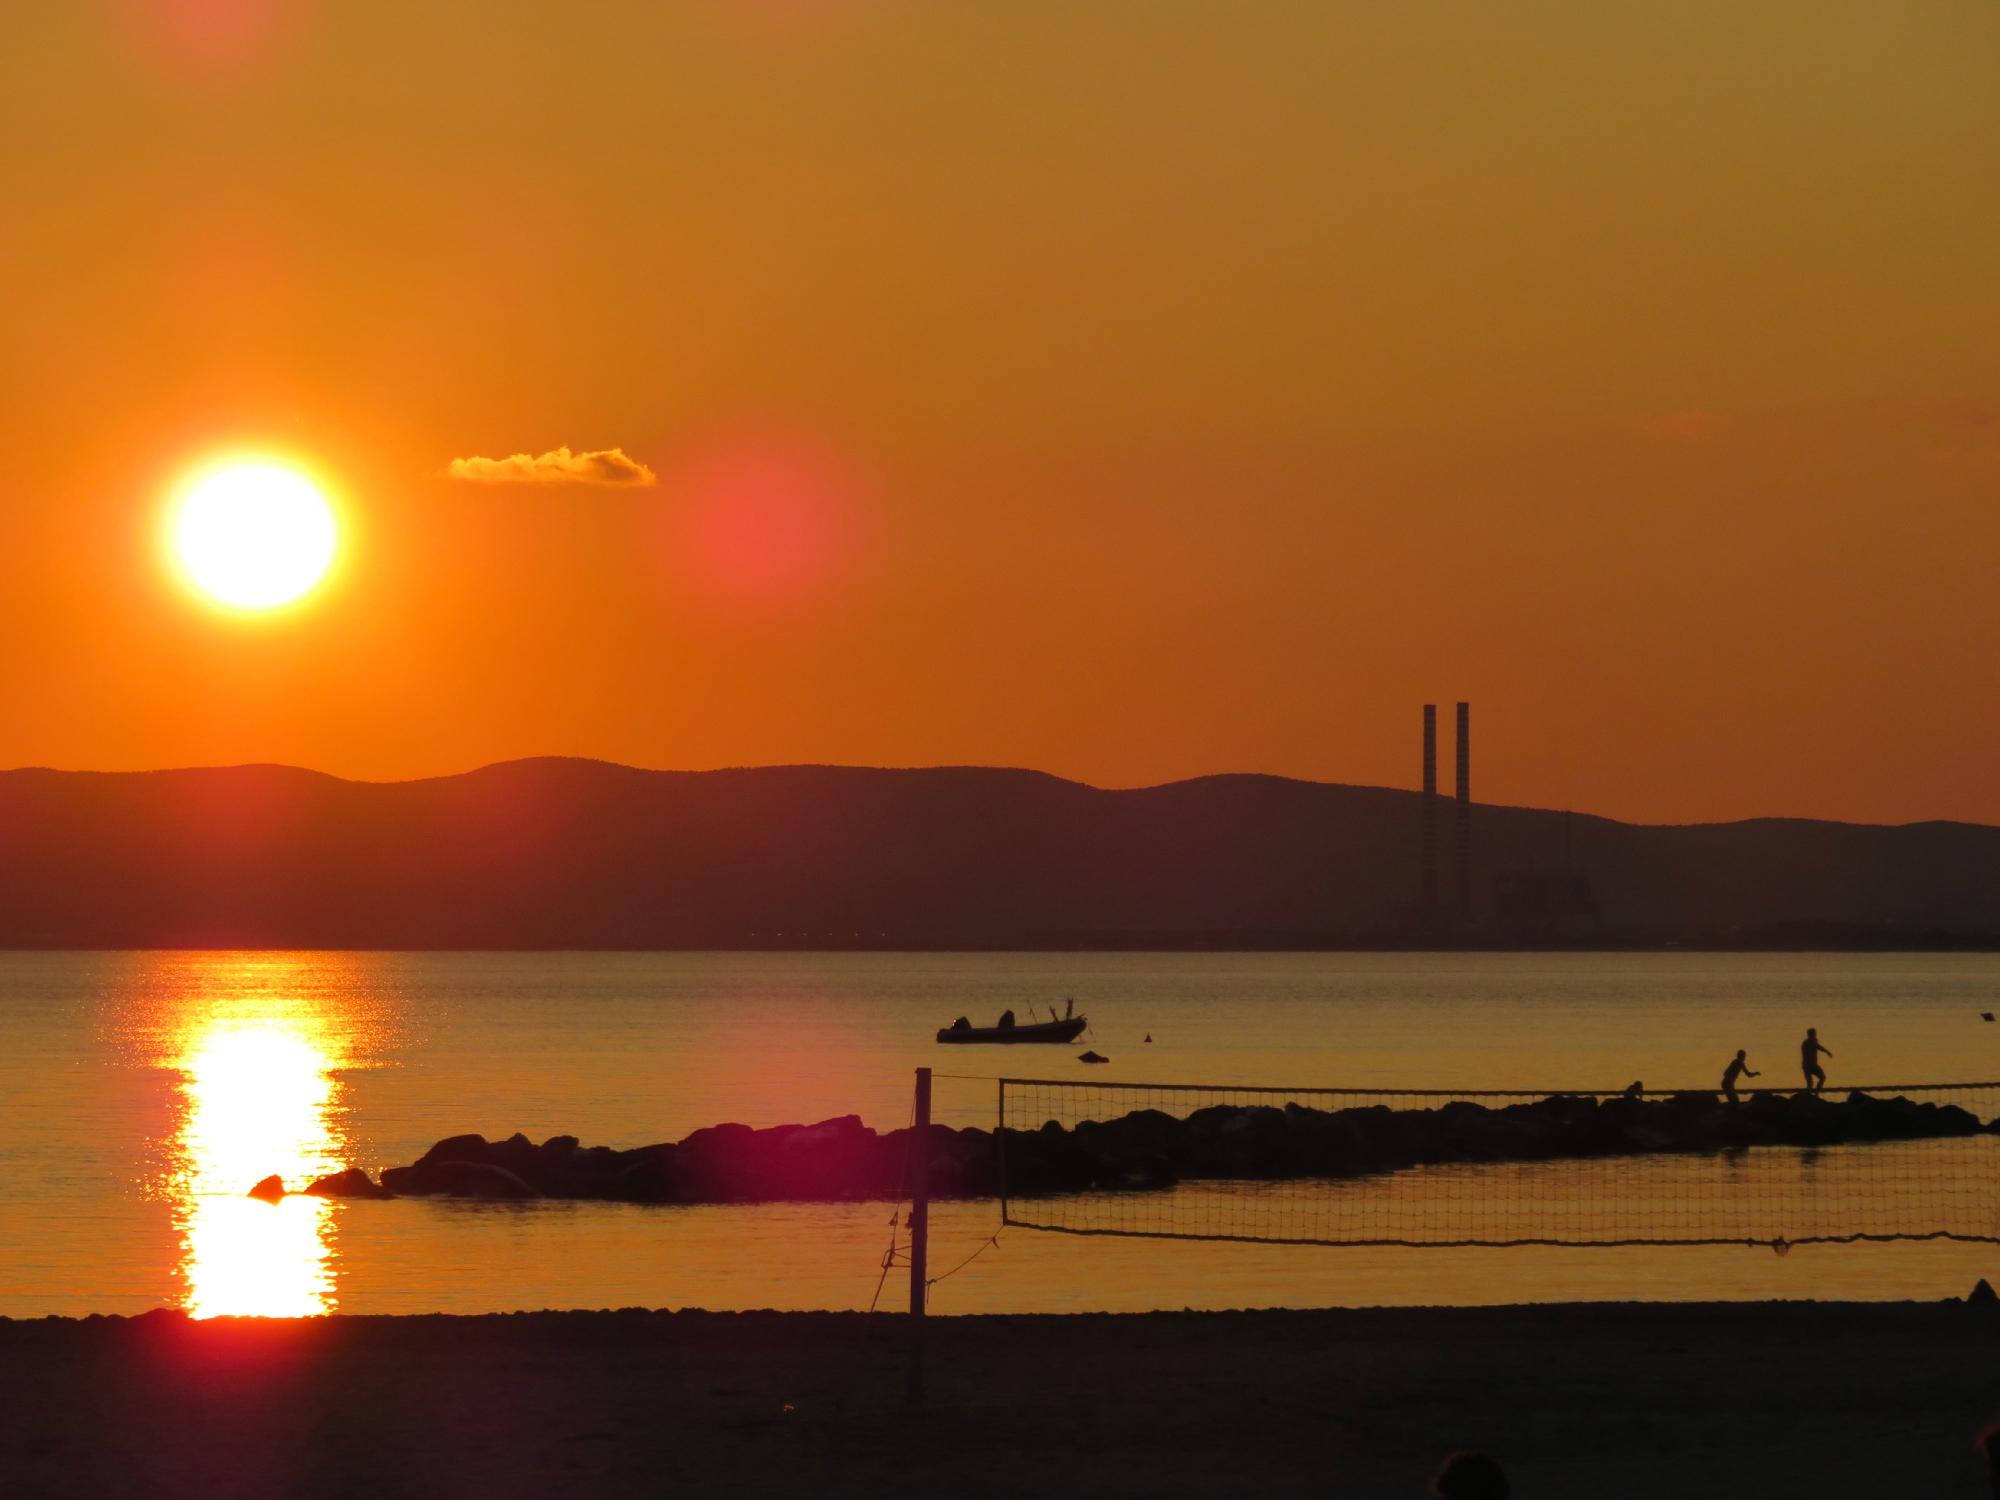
[(581, 854)]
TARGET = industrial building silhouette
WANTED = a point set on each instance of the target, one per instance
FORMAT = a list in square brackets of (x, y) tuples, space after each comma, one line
[(1536, 904)]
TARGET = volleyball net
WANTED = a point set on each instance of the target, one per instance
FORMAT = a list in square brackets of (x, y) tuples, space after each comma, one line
[(1337, 1166)]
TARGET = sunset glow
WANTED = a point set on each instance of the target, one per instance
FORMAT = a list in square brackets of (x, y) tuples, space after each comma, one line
[(1624, 370), (1214, 744), (254, 536)]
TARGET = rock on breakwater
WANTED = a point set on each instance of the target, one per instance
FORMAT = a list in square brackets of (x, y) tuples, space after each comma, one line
[(842, 1159)]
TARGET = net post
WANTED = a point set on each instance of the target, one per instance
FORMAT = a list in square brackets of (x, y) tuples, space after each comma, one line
[(1000, 1144), (920, 1229)]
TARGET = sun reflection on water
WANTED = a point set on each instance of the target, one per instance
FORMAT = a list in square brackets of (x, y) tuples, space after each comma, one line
[(258, 1083)]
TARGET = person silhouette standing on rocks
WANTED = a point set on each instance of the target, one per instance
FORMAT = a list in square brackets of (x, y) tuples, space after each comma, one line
[(1810, 1051), (1739, 1067)]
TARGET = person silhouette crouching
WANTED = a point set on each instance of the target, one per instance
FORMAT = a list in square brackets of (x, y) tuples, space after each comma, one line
[(1738, 1068)]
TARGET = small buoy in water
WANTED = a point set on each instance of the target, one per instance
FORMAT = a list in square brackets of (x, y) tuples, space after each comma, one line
[(1781, 1246), (1149, 1036), (1093, 1057), (1986, 1015)]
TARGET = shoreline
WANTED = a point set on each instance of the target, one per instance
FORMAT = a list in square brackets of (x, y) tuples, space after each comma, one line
[(1576, 1399)]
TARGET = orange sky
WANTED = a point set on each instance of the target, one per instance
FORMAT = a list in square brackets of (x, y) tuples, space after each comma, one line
[(1131, 390)]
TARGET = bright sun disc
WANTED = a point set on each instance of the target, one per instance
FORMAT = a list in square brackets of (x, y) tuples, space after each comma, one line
[(254, 535)]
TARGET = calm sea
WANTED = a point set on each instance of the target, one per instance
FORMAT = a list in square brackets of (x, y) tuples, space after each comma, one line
[(142, 1093)]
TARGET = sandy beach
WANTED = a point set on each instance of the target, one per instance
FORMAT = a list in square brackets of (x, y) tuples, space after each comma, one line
[(1578, 1400)]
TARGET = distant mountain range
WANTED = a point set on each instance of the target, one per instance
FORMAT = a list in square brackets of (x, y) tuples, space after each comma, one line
[(581, 854)]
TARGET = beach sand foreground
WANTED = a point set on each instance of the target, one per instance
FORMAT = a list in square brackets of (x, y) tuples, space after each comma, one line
[(1577, 1400)]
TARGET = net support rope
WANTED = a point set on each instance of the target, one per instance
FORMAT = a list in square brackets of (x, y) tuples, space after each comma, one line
[(1500, 1167)]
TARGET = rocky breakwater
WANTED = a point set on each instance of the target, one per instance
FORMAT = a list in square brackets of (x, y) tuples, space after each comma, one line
[(833, 1160), (843, 1159), (1293, 1141)]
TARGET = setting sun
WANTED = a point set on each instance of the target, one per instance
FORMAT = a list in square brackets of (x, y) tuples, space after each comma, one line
[(254, 535)]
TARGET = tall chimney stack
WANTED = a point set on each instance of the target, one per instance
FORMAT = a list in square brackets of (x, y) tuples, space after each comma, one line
[(1427, 886), (1464, 841)]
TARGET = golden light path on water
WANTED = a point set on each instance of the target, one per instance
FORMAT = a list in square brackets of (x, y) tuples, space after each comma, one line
[(258, 1086)]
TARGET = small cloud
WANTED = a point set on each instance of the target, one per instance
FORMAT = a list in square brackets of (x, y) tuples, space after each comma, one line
[(558, 466)]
